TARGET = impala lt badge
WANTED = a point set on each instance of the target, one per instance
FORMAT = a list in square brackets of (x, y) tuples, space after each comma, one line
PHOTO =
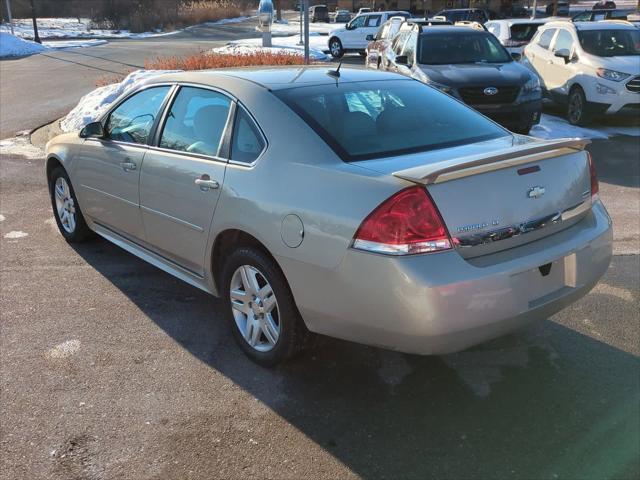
[(490, 91), (535, 192)]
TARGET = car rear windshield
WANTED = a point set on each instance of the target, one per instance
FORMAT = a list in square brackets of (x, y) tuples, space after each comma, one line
[(456, 48), (610, 43), (523, 32), (321, 9), (363, 120)]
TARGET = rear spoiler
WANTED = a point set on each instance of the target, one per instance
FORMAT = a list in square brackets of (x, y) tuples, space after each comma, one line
[(474, 164)]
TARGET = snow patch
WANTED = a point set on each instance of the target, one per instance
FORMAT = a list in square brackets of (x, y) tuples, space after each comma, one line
[(552, 127), (50, 28), (286, 45), (95, 103), (65, 349), (20, 145), (224, 21), (2, 218), (16, 234), (12, 46), (60, 44)]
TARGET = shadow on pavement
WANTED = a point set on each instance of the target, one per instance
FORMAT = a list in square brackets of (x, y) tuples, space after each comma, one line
[(619, 165), (548, 402)]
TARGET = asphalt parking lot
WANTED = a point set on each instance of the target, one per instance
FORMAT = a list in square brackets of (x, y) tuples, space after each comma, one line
[(112, 369)]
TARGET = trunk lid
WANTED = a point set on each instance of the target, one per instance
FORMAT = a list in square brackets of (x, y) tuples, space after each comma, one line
[(498, 195)]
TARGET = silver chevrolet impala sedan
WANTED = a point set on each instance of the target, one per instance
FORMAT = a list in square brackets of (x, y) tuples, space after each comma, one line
[(357, 204)]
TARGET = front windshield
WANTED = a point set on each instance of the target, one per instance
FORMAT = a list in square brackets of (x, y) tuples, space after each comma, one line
[(610, 43), (452, 48)]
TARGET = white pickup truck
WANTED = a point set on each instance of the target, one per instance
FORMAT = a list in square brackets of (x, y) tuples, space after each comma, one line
[(353, 36)]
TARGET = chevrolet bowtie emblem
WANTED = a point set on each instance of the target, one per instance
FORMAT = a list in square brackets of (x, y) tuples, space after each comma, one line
[(535, 192)]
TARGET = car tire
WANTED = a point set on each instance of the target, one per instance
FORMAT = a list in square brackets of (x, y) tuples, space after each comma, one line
[(363, 54), (379, 65), (66, 209), (335, 47), (268, 305), (577, 107)]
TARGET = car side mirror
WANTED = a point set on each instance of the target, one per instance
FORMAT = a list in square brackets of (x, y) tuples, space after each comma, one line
[(370, 38), (516, 56), (563, 53), (93, 130), (402, 60)]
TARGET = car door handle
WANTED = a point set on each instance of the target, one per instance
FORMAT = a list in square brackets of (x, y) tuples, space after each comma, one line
[(205, 183), (128, 166)]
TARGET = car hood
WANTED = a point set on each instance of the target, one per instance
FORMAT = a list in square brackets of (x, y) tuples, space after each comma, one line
[(495, 74), (337, 31), (626, 64)]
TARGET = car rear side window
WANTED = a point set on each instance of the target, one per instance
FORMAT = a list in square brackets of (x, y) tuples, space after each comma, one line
[(545, 38), (363, 120), (373, 20), (523, 32), (247, 143), (133, 119), (196, 121)]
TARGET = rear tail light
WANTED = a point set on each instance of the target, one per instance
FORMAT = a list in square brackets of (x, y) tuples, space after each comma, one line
[(406, 223), (595, 187)]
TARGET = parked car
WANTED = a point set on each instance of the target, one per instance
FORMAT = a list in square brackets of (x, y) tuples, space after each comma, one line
[(319, 13), (596, 15), (380, 43), (472, 66), (363, 10), (353, 36), (514, 34), (592, 67), (461, 14), (409, 221), (562, 11), (342, 16)]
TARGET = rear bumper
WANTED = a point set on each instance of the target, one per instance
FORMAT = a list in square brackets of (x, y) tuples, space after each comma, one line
[(441, 303), (513, 116)]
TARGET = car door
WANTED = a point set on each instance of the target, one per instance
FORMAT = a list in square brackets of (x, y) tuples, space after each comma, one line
[(539, 54), (375, 47), (559, 72), (183, 174), (353, 32), (371, 25), (107, 171)]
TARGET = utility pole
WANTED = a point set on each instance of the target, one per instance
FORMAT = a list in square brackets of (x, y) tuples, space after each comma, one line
[(535, 9), (9, 17), (36, 37), (306, 32)]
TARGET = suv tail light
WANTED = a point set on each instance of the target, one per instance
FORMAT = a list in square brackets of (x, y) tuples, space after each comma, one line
[(595, 187), (406, 223)]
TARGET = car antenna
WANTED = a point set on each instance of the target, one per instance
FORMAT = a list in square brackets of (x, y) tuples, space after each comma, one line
[(335, 73)]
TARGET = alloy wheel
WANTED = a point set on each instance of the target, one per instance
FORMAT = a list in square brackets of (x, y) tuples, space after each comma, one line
[(255, 308), (335, 48), (65, 206), (575, 107)]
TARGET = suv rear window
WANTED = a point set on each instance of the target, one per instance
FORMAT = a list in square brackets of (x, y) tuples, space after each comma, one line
[(363, 120), (523, 32)]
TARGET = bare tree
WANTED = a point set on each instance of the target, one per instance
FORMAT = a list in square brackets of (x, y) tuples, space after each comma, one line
[(36, 37), (278, 9)]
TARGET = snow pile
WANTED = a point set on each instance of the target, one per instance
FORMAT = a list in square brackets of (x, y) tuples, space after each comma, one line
[(551, 127), (293, 26), (224, 21), (96, 102), (11, 46), (52, 28), (20, 145), (61, 44), (317, 46)]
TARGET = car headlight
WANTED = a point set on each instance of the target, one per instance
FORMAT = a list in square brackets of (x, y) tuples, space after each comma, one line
[(611, 75), (532, 85)]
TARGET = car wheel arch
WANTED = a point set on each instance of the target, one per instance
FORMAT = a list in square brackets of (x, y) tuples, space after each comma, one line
[(223, 244), (52, 163)]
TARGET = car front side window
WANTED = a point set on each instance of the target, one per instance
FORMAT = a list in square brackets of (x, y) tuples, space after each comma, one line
[(133, 119), (357, 22), (564, 41), (196, 121)]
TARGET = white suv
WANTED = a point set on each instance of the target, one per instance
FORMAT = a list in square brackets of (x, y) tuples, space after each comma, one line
[(353, 36), (593, 67)]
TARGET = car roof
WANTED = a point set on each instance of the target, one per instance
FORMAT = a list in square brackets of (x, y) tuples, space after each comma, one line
[(278, 78), (600, 25), (516, 21)]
